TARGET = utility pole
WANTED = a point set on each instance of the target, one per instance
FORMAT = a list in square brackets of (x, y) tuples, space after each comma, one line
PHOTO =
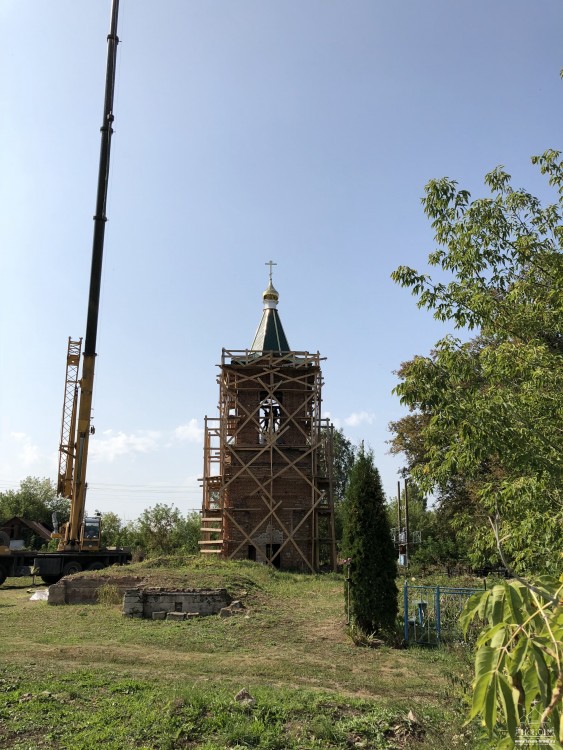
[(403, 518), (406, 526), (399, 510)]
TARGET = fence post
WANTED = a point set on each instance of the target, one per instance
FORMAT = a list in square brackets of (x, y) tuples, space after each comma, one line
[(406, 611), (437, 613)]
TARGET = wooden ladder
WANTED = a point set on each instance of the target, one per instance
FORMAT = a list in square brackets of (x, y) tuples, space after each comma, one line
[(211, 526)]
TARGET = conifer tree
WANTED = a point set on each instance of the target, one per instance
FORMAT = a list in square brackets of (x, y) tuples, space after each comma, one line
[(373, 590)]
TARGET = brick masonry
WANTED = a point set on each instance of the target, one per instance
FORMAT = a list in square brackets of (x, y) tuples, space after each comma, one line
[(287, 470)]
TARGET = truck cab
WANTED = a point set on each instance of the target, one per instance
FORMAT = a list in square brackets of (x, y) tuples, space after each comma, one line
[(91, 533)]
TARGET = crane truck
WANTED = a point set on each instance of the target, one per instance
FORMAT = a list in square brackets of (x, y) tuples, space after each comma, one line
[(79, 539)]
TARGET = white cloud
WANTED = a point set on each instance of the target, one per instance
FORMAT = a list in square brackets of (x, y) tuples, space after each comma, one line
[(355, 419), (27, 452), (359, 417), (111, 445), (20, 456), (191, 432)]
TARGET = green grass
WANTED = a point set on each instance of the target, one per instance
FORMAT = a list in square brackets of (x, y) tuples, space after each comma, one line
[(83, 676)]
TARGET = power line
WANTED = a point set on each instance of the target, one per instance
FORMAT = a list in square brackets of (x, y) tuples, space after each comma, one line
[(144, 487), (131, 490)]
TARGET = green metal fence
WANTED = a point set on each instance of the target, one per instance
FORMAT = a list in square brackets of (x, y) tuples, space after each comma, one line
[(431, 613)]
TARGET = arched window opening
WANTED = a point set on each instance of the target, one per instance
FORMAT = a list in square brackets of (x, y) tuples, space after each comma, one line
[(270, 415)]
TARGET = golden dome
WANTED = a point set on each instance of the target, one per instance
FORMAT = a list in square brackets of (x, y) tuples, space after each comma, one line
[(270, 293)]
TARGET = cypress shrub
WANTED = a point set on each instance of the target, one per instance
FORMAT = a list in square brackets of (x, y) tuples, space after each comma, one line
[(367, 541)]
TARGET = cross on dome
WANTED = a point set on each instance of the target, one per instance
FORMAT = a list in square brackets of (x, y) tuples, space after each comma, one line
[(270, 263)]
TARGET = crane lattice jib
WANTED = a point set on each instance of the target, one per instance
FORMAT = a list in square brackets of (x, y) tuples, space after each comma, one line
[(68, 423)]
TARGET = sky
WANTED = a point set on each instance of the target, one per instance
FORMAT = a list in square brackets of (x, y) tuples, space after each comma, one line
[(301, 131)]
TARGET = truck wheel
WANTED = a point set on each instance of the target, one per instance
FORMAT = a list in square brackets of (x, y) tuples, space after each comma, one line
[(3, 576), (96, 566), (50, 580), (71, 568)]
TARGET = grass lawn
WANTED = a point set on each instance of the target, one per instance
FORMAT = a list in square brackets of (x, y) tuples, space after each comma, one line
[(84, 676)]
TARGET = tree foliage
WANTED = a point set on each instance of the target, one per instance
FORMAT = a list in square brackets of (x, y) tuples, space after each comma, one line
[(163, 530), (343, 456), (518, 684), (436, 540), (115, 533), (489, 411), (456, 531), (367, 541)]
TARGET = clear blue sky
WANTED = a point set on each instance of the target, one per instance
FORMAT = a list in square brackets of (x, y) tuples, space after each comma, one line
[(298, 130)]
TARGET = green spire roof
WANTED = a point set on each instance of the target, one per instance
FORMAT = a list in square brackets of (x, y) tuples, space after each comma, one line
[(270, 336)]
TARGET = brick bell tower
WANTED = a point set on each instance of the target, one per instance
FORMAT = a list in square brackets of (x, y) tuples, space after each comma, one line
[(267, 478)]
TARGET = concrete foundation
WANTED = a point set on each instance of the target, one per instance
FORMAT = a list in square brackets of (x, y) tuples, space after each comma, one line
[(181, 605), (77, 590)]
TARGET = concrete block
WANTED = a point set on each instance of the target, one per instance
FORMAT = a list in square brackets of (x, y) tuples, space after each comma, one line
[(133, 603), (176, 616), (57, 593)]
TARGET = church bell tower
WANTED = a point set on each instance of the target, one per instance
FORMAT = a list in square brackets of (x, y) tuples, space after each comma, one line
[(267, 480)]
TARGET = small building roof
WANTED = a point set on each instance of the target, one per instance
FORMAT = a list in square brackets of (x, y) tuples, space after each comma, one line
[(18, 521)]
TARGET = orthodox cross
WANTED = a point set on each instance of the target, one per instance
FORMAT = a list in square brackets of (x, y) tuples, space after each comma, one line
[(270, 263)]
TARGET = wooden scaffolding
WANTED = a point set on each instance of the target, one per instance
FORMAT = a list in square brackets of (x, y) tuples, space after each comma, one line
[(267, 481)]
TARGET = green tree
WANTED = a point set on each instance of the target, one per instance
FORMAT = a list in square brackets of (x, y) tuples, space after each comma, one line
[(162, 529), (114, 531), (457, 520), (343, 456), (492, 408), (367, 541), (35, 500), (192, 532)]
